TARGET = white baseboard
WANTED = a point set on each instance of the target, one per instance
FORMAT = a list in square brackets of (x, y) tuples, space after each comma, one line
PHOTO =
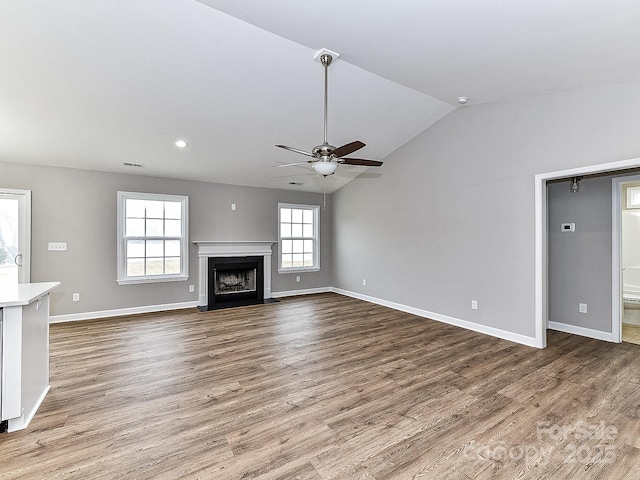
[(308, 291), (73, 317), (494, 332), (584, 332)]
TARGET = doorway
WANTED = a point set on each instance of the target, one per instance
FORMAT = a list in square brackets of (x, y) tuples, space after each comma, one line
[(15, 237), (541, 313), (626, 257)]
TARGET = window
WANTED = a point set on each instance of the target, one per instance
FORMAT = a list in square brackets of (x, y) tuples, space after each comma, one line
[(633, 197), (152, 238), (298, 238)]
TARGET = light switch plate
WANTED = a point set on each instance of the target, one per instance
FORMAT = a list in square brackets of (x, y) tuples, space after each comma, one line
[(57, 246)]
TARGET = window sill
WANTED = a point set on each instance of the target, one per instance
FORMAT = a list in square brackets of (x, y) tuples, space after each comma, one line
[(298, 270), (135, 281)]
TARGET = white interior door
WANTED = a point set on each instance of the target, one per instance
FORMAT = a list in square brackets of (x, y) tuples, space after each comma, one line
[(15, 236)]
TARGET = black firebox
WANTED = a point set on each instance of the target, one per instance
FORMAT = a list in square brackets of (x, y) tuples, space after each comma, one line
[(235, 281)]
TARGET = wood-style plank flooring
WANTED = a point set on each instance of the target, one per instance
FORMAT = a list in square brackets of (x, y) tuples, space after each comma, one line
[(326, 387), (631, 333)]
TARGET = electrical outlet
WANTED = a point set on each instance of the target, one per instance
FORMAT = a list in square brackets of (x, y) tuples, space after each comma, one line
[(364, 282), (233, 206), (582, 307), (297, 278), (474, 304), (192, 288), (76, 297)]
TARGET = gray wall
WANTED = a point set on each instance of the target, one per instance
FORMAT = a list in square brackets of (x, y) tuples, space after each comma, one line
[(451, 217), (79, 207), (580, 262)]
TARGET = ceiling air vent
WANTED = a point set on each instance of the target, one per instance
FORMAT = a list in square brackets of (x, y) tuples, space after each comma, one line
[(135, 165)]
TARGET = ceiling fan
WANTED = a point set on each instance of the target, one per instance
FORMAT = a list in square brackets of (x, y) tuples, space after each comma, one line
[(327, 157)]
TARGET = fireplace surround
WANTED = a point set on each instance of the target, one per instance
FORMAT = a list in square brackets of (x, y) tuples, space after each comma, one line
[(233, 273)]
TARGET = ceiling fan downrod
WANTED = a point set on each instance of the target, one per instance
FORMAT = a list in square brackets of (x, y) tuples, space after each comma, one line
[(326, 60)]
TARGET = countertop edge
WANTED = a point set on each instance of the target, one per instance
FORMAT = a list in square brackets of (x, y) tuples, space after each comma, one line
[(25, 293)]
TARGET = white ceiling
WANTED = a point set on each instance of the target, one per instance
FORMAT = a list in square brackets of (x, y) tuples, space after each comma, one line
[(92, 84)]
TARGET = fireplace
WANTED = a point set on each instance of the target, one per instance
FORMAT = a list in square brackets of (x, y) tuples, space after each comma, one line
[(237, 280), (233, 273), (234, 281)]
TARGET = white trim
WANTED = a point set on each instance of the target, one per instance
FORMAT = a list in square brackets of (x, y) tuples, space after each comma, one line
[(25, 231), (153, 279), (306, 291), (224, 248), (299, 270), (73, 317), (476, 327), (584, 332), (214, 248), (540, 259), (616, 260), (616, 254), (122, 277), (316, 239), (540, 307), (494, 332)]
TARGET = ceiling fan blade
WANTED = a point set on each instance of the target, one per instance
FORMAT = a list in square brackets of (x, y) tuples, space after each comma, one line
[(348, 148), (292, 164), (359, 161), (296, 150)]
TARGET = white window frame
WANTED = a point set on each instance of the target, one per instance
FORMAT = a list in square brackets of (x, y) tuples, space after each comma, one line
[(123, 279), (316, 239)]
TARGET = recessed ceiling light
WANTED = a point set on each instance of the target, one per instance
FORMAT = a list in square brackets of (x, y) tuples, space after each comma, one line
[(181, 144), (463, 100)]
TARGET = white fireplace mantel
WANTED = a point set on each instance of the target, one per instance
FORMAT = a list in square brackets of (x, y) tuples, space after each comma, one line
[(208, 249)]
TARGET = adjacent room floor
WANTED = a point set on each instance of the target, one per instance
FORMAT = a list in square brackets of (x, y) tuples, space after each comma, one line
[(631, 333), (326, 387)]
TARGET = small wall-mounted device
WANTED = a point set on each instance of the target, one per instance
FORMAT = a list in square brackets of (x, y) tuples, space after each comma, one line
[(568, 227)]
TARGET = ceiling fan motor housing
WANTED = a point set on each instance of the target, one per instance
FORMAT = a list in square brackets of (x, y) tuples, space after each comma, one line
[(323, 151)]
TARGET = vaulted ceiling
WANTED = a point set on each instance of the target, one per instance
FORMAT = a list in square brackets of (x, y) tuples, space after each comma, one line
[(96, 83)]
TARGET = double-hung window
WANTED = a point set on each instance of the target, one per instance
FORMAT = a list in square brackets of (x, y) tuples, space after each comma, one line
[(298, 239), (152, 238)]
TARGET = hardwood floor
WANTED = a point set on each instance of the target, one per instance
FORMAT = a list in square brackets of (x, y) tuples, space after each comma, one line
[(326, 387), (631, 333)]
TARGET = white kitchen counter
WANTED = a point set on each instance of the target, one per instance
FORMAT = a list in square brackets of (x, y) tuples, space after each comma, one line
[(24, 293), (24, 360)]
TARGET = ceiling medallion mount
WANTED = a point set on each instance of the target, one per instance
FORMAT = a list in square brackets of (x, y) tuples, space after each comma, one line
[(326, 157)]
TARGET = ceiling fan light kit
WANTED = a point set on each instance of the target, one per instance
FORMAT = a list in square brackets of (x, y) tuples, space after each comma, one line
[(325, 168), (326, 157)]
